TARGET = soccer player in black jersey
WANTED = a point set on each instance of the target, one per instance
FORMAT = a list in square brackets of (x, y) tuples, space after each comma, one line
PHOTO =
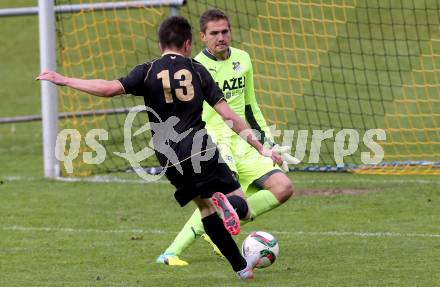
[(174, 87)]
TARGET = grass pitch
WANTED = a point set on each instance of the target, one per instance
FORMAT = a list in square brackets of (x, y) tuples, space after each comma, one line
[(341, 229)]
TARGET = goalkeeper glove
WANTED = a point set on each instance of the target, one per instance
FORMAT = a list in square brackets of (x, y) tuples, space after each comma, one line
[(286, 156)]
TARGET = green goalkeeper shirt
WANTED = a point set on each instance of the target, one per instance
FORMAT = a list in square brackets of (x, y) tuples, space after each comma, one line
[(235, 78)]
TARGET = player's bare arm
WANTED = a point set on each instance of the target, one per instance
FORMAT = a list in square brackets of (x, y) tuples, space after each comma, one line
[(241, 128), (96, 87)]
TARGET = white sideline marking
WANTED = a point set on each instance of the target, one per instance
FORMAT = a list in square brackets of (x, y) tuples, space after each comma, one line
[(158, 231), (113, 179), (359, 234), (406, 180), (74, 230)]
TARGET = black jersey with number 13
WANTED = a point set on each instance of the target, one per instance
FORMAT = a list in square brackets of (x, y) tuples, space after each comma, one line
[(174, 86)]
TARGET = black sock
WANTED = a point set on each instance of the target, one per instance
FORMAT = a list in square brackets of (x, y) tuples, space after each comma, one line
[(220, 236), (240, 205)]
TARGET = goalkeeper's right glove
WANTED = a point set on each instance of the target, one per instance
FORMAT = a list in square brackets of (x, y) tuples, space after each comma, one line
[(286, 156)]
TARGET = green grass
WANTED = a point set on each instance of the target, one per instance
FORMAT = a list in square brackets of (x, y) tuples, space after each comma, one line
[(71, 234), (341, 229), (19, 55), (349, 230)]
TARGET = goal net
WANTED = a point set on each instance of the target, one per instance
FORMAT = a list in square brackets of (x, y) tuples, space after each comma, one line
[(330, 69)]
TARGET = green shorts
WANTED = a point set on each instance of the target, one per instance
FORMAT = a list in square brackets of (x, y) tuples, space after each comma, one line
[(245, 161)]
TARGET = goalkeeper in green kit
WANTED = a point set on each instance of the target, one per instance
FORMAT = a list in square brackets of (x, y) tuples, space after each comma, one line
[(265, 186)]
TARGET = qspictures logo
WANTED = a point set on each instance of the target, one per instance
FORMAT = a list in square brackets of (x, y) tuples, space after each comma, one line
[(345, 143)]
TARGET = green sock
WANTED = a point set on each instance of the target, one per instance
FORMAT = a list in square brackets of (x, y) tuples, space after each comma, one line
[(261, 202), (192, 229)]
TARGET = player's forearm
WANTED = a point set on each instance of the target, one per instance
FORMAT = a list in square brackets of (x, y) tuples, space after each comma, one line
[(101, 88), (97, 87)]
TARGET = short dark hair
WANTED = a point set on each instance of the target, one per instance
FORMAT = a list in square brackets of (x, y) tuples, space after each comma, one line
[(174, 31), (212, 15)]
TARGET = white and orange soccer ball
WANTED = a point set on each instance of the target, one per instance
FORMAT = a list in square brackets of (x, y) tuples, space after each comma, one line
[(262, 243)]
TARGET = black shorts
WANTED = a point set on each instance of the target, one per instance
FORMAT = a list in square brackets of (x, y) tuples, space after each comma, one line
[(214, 177)]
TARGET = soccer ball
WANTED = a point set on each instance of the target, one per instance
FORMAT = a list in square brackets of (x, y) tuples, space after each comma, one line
[(263, 243)]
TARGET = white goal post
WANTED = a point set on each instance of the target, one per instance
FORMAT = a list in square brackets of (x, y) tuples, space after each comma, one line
[(49, 100)]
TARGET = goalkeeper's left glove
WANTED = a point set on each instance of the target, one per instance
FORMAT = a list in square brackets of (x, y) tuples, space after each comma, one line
[(287, 157)]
